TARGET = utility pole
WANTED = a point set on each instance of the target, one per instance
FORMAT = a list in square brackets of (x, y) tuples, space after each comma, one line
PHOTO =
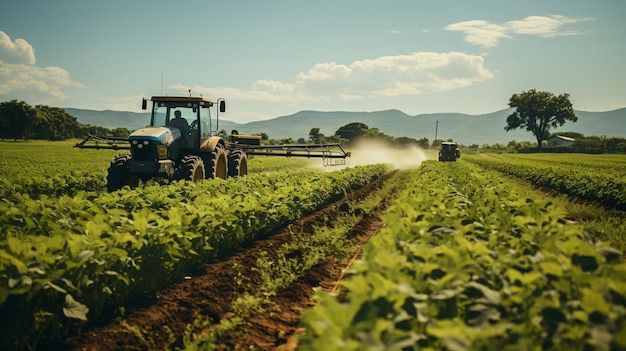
[(436, 129)]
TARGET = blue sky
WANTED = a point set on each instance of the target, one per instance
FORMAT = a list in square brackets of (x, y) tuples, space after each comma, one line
[(275, 58)]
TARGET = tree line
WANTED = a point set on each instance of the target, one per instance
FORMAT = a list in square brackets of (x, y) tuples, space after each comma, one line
[(20, 121), (353, 132), (345, 135)]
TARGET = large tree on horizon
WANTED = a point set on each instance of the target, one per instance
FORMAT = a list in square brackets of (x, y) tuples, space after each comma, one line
[(538, 111), (352, 131)]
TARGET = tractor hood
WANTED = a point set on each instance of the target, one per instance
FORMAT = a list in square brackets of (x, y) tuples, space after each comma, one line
[(162, 135)]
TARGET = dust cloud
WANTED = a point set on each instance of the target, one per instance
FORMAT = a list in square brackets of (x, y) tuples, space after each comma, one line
[(368, 152)]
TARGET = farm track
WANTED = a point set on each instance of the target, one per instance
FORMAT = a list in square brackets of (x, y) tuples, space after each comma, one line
[(208, 292)]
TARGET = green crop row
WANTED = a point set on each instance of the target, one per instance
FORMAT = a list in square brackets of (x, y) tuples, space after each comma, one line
[(56, 168), (56, 185), (599, 162), (50, 158), (65, 260), (468, 262), (330, 239), (70, 182), (603, 184)]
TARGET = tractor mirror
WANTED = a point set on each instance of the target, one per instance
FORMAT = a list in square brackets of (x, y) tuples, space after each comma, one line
[(222, 106), (144, 104)]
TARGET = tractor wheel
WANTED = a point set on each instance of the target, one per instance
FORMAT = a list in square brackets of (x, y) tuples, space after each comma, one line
[(237, 164), (216, 165), (118, 174), (191, 168)]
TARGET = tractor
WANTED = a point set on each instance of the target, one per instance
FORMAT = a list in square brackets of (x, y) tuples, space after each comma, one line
[(181, 144), (449, 151)]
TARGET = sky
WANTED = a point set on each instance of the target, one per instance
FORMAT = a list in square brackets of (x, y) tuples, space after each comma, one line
[(275, 58)]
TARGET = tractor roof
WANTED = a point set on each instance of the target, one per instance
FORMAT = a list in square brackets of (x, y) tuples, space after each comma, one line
[(198, 99), (448, 143)]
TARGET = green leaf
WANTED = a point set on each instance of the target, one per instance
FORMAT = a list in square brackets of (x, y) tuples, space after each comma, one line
[(594, 301), (443, 294), (55, 287), (529, 278), (552, 268), (490, 296), (84, 255), (14, 261), (74, 309)]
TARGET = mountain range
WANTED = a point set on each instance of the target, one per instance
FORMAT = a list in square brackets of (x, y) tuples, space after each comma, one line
[(462, 128)]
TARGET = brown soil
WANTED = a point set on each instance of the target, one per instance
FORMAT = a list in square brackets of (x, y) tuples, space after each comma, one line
[(208, 292)]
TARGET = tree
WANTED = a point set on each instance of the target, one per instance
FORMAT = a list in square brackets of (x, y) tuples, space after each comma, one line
[(16, 118), (53, 123), (538, 111), (315, 136), (352, 131), (423, 143)]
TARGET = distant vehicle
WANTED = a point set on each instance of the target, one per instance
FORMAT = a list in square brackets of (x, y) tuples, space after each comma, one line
[(181, 144), (449, 151)]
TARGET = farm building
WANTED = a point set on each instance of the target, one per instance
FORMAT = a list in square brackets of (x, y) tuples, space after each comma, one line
[(560, 141)]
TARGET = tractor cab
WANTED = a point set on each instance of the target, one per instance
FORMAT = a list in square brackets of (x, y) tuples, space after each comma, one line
[(189, 115)]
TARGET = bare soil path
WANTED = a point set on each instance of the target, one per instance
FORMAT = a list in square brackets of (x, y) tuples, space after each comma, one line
[(159, 321)]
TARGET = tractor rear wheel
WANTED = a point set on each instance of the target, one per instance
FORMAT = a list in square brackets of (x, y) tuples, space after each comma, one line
[(119, 175), (237, 164), (215, 165), (191, 168)]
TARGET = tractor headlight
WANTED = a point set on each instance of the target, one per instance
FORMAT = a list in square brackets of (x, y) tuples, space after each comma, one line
[(161, 152)]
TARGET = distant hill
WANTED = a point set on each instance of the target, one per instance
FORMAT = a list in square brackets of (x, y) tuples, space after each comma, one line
[(110, 119), (464, 129)]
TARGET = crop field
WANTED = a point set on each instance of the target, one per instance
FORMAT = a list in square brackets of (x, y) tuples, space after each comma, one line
[(469, 261), (599, 178), (512, 252)]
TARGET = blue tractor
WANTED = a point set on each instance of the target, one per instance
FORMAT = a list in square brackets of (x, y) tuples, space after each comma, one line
[(181, 144)]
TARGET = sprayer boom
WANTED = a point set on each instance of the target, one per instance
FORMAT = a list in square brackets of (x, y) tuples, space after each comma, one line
[(332, 154)]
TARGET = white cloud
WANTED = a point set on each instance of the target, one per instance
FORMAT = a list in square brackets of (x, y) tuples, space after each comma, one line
[(21, 79), (382, 77), (18, 52), (33, 84), (487, 34), (402, 75), (480, 33), (272, 86), (324, 72), (547, 27)]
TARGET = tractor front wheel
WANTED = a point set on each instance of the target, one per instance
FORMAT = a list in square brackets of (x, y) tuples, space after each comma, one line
[(118, 175)]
